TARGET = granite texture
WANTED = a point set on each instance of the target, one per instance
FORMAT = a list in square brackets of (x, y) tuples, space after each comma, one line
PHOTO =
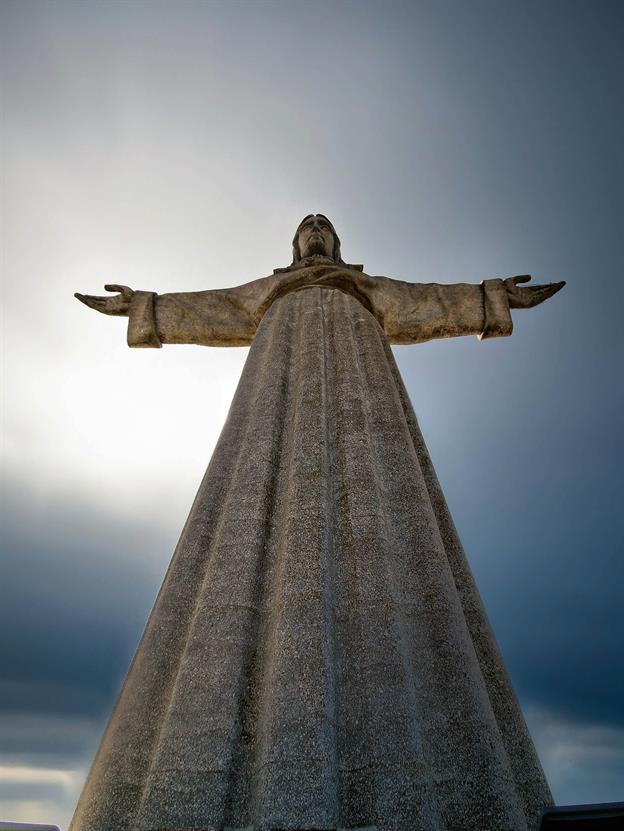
[(318, 656)]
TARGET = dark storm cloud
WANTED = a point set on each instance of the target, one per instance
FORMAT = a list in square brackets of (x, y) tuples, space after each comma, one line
[(533, 482), (526, 438), (77, 591), (558, 622), (78, 584)]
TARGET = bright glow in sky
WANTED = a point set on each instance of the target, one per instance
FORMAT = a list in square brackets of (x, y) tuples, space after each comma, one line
[(176, 146)]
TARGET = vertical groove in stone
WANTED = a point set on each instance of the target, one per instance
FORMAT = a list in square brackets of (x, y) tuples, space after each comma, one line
[(239, 809), (356, 774), (444, 664), (328, 566), (529, 778), (382, 767), (406, 793), (294, 770)]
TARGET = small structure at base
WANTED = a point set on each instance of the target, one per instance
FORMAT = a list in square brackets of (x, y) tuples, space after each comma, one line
[(607, 816)]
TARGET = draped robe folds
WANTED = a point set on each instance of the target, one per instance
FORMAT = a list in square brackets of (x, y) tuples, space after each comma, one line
[(318, 656)]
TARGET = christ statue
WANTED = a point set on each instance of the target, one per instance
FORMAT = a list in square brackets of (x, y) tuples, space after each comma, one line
[(318, 657)]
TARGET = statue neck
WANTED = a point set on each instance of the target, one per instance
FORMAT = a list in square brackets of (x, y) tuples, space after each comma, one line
[(315, 259)]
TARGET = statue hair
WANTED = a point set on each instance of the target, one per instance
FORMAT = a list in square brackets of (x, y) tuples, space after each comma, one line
[(295, 244)]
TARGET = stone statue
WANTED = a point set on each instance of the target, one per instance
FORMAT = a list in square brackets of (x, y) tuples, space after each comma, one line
[(318, 656)]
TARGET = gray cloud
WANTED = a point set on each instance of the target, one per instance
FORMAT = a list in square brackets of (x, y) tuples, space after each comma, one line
[(78, 590), (46, 740), (583, 761)]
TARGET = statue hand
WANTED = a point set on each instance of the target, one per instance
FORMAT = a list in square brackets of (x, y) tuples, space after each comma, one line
[(526, 298), (117, 305)]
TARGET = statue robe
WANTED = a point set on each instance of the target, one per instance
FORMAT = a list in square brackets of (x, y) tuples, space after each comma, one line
[(318, 656)]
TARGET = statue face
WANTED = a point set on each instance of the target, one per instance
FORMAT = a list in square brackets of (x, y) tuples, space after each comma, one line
[(316, 237)]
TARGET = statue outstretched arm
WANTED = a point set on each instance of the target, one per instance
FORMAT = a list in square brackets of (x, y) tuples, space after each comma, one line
[(222, 317), (417, 312)]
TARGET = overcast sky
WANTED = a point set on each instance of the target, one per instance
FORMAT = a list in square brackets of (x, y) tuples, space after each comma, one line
[(176, 146)]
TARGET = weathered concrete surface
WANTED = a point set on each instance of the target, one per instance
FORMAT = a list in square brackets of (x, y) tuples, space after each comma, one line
[(318, 656)]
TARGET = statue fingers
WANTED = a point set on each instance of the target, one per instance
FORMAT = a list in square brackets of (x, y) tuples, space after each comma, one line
[(92, 301), (511, 283), (126, 291), (541, 293)]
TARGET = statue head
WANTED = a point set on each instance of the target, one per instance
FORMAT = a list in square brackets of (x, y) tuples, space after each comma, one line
[(316, 235)]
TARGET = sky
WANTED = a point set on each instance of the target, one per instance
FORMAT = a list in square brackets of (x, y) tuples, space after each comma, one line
[(175, 146)]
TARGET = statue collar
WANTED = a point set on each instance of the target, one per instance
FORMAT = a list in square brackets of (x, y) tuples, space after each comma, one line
[(316, 259)]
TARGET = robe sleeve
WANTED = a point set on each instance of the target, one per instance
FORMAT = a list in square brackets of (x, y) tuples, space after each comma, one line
[(417, 312), (209, 318)]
